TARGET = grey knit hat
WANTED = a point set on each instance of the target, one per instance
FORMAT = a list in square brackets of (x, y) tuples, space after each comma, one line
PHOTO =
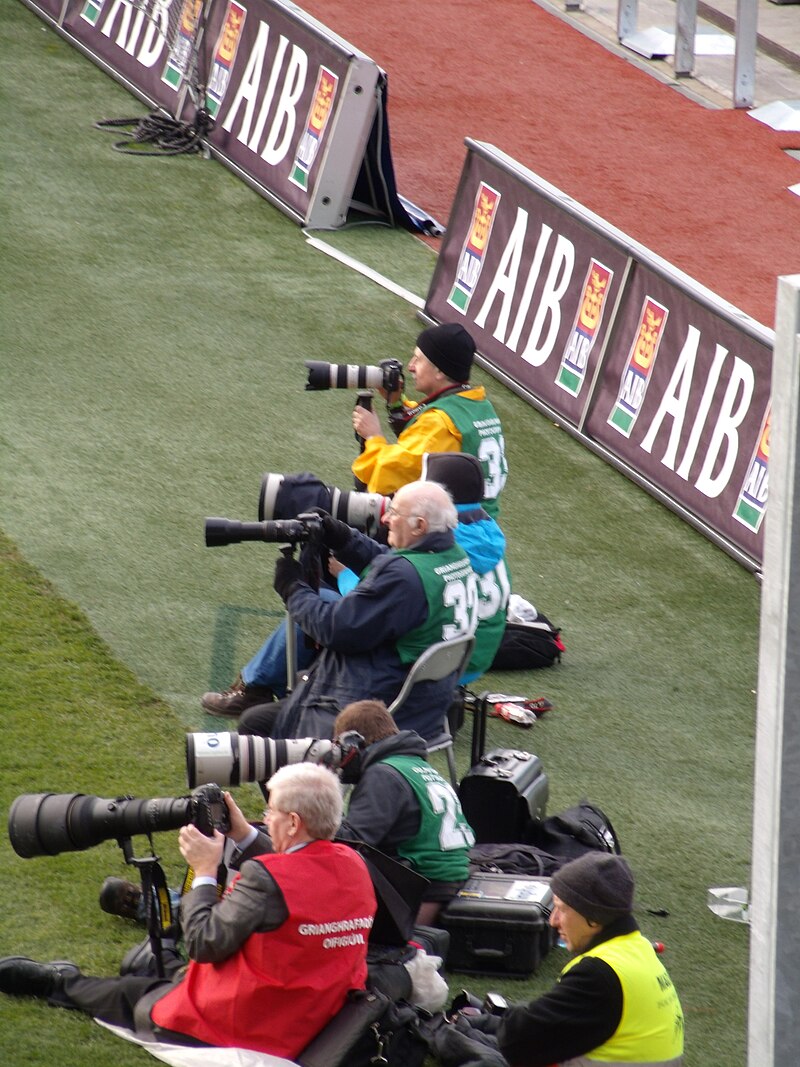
[(598, 885), (450, 348)]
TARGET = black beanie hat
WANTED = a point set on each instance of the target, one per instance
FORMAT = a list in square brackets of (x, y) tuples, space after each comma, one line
[(450, 348), (460, 474), (598, 885)]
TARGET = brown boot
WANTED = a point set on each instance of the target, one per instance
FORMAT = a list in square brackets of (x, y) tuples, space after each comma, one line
[(237, 699)]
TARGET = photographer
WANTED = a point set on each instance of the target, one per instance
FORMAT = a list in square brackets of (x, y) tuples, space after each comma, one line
[(412, 594), (453, 417), (400, 804), (264, 676), (613, 1003), (264, 973)]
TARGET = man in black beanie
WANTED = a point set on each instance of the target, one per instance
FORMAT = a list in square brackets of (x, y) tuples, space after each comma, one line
[(453, 417), (614, 1001)]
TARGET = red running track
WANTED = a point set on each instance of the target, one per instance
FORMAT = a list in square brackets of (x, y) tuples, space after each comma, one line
[(705, 189)]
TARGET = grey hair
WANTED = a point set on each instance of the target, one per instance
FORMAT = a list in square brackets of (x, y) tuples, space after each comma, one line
[(432, 502), (313, 792)]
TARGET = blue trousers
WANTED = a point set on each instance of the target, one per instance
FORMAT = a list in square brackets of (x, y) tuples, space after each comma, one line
[(268, 666)]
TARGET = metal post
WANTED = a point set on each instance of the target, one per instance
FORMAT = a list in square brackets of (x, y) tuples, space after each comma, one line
[(685, 33), (744, 65), (774, 1010), (627, 16)]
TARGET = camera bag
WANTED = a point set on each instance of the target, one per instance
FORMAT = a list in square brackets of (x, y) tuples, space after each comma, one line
[(502, 793), (371, 1028), (432, 939), (499, 924), (581, 828)]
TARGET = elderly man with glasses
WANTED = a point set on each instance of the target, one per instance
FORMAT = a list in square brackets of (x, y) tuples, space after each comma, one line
[(416, 591), (265, 970)]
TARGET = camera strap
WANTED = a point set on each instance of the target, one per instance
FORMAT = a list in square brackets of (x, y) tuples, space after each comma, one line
[(159, 917), (222, 879), (399, 418)]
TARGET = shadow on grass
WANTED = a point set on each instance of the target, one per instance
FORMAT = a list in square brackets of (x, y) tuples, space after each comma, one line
[(228, 626)]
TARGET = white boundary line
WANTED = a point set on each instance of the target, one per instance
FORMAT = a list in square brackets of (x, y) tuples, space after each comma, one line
[(368, 272)]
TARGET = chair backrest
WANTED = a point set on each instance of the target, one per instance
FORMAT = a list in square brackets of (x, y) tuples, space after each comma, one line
[(434, 664)]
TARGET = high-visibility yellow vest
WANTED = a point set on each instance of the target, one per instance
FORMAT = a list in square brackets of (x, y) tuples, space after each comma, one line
[(651, 1028)]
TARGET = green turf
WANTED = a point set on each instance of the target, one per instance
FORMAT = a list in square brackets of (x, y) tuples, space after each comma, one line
[(156, 315)]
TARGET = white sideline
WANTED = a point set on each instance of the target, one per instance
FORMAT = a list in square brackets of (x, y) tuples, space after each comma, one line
[(368, 272)]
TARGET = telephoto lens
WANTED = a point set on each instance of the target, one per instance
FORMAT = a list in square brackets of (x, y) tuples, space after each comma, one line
[(231, 758), (284, 496), (342, 376), (221, 531), (45, 824)]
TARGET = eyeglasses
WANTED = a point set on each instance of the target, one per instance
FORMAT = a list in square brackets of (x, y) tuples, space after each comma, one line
[(392, 510)]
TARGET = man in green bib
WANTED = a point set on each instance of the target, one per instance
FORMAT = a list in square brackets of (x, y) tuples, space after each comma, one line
[(453, 416), (418, 590), (401, 805)]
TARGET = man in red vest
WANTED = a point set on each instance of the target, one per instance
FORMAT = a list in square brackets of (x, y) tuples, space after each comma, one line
[(271, 961)]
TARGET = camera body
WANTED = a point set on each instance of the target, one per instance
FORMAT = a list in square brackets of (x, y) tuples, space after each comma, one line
[(388, 375), (233, 758), (209, 812), (467, 1004), (46, 824)]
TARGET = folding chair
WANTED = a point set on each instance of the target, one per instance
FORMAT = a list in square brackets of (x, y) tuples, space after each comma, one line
[(432, 665)]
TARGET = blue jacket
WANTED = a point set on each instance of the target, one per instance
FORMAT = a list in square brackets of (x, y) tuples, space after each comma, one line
[(357, 634), (485, 544)]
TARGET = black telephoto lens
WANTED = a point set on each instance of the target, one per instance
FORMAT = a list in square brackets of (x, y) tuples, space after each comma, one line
[(44, 824)]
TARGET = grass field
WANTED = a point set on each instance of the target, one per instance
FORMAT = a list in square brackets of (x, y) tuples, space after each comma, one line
[(156, 315)]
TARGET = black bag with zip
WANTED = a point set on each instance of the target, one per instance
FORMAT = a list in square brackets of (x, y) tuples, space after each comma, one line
[(571, 833), (370, 1028), (527, 646)]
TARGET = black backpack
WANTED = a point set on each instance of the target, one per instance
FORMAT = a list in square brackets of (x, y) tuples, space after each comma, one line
[(582, 828), (526, 646)]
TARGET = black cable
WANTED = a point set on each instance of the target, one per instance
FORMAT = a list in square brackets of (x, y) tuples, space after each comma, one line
[(169, 136)]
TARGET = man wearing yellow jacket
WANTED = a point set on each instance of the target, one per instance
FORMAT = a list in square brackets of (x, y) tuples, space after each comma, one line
[(453, 417), (614, 1002)]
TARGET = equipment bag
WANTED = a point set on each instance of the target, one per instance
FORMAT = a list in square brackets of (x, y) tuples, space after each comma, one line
[(502, 793), (526, 646), (530, 640), (370, 1029), (582, 828)]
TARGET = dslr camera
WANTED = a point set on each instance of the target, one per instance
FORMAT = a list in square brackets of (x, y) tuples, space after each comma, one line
[(45, 824), (388, 375)]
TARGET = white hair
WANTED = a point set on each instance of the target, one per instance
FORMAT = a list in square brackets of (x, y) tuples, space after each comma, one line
[(313, 792), (432, 502)]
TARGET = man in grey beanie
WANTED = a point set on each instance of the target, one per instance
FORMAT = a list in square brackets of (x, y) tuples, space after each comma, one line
[(454, 416), (614, 1001)]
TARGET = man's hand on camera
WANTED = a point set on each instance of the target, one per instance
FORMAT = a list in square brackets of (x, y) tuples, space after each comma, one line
[(203, 854), (366, 423), (240, 827), (335, 533), (288, 573)]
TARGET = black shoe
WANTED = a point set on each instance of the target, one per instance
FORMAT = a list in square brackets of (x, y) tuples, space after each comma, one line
[(119, 897), (237, 699), (23, 977)]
